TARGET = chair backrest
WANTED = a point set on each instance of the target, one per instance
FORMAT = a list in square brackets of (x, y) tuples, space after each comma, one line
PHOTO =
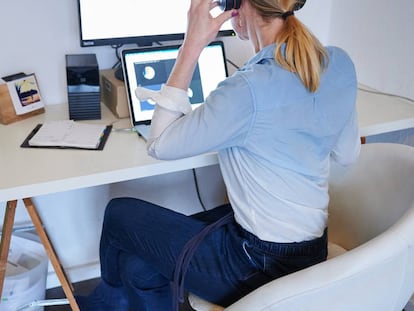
[(367, 198), (371, 213)]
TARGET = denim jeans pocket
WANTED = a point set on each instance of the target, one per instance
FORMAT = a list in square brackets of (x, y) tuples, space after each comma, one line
[(256, 262), (271, 266), (248, 270), (250, 274), (279, 265)]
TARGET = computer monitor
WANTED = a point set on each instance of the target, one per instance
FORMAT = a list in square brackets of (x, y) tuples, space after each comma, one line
[(118, 22)]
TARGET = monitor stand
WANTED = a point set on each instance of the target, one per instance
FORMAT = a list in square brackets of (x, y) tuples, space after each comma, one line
[(119, 73)]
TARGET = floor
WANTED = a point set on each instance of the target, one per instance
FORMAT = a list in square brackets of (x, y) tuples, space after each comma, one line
[(81, 288), (85, 287)]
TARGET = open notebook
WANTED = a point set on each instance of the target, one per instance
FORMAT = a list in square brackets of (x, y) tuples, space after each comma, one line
[(68, 134), (150, 67)]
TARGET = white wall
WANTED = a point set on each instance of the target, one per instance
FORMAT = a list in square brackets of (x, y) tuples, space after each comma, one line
[(38, 34), (36, 37), (378, 36)]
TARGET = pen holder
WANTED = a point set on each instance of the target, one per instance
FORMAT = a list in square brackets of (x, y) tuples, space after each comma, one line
[(10, 101)]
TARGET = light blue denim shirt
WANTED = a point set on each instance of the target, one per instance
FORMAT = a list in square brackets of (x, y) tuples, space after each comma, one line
[(275, 140)]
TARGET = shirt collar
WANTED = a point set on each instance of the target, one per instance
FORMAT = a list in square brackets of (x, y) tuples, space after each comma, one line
[(265, 53)]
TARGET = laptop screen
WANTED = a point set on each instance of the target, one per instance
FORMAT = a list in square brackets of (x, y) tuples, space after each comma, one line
[(150, 67)]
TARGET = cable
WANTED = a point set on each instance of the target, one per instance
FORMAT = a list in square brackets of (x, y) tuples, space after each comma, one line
[(232, 63), (385, 94), (198, 190), (117, 65), (117, 47), (44, 303)]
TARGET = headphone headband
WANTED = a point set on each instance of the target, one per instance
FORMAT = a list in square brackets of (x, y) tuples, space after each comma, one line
[(227, 5)]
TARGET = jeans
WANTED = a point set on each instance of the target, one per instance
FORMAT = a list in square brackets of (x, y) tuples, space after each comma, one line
[(140, 242)]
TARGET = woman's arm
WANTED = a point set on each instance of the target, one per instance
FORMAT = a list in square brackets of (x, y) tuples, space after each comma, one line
[(172, 101), (202, 28)]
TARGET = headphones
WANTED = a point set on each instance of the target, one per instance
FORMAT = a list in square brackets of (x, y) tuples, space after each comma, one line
[(227, 5), (299, 5)]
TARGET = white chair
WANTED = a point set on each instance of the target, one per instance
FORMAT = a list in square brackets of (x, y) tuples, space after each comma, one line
[(371, 215)]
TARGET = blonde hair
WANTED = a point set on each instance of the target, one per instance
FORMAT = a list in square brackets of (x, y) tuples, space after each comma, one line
[(304, 54)]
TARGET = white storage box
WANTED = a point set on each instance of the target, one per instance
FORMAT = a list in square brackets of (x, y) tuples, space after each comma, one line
[(25, 274)]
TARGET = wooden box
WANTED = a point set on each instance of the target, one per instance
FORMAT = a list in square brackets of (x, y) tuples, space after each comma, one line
[(7, 110), (113, 93)]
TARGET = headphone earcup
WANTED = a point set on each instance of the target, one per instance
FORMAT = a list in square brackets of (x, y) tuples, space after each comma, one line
[(299, 4), (227, 5), (236, 4)]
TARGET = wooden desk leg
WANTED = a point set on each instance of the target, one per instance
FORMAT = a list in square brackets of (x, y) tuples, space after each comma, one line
[(5, 240), (66, 285)]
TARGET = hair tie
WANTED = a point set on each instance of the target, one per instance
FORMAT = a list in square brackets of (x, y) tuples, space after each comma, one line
[(287, 14)]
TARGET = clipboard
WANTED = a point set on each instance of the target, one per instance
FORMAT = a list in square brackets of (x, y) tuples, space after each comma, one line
[(101, 145)]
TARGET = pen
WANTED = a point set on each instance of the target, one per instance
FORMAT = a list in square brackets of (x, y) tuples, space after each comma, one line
[(129, 129)]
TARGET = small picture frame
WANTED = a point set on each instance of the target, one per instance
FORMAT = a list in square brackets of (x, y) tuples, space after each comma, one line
[(25, 94)]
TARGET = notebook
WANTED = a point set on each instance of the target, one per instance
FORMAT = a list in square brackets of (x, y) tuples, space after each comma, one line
[(68, 134), (150, 67)]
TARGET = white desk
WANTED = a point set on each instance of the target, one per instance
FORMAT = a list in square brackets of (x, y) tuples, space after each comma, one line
[(27, 173), (31, 172), (380, 114)]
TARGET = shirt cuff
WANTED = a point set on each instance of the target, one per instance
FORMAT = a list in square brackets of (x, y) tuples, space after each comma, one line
[(171, 98)]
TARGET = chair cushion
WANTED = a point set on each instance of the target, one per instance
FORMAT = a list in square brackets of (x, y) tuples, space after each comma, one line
[(335, 250), (199, 304)]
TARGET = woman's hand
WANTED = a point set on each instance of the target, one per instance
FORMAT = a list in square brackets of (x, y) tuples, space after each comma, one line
[(202, 27)]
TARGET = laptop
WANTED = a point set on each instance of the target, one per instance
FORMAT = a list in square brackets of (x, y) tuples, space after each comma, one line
[(150, 67)]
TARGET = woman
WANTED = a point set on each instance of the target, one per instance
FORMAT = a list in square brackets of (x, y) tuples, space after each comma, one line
[(276, 124)]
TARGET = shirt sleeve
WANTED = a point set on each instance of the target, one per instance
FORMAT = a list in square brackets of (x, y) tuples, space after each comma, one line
[(171, 104), (222, 121)]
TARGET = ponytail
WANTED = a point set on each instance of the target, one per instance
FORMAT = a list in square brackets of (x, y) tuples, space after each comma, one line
[(303, 55)]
